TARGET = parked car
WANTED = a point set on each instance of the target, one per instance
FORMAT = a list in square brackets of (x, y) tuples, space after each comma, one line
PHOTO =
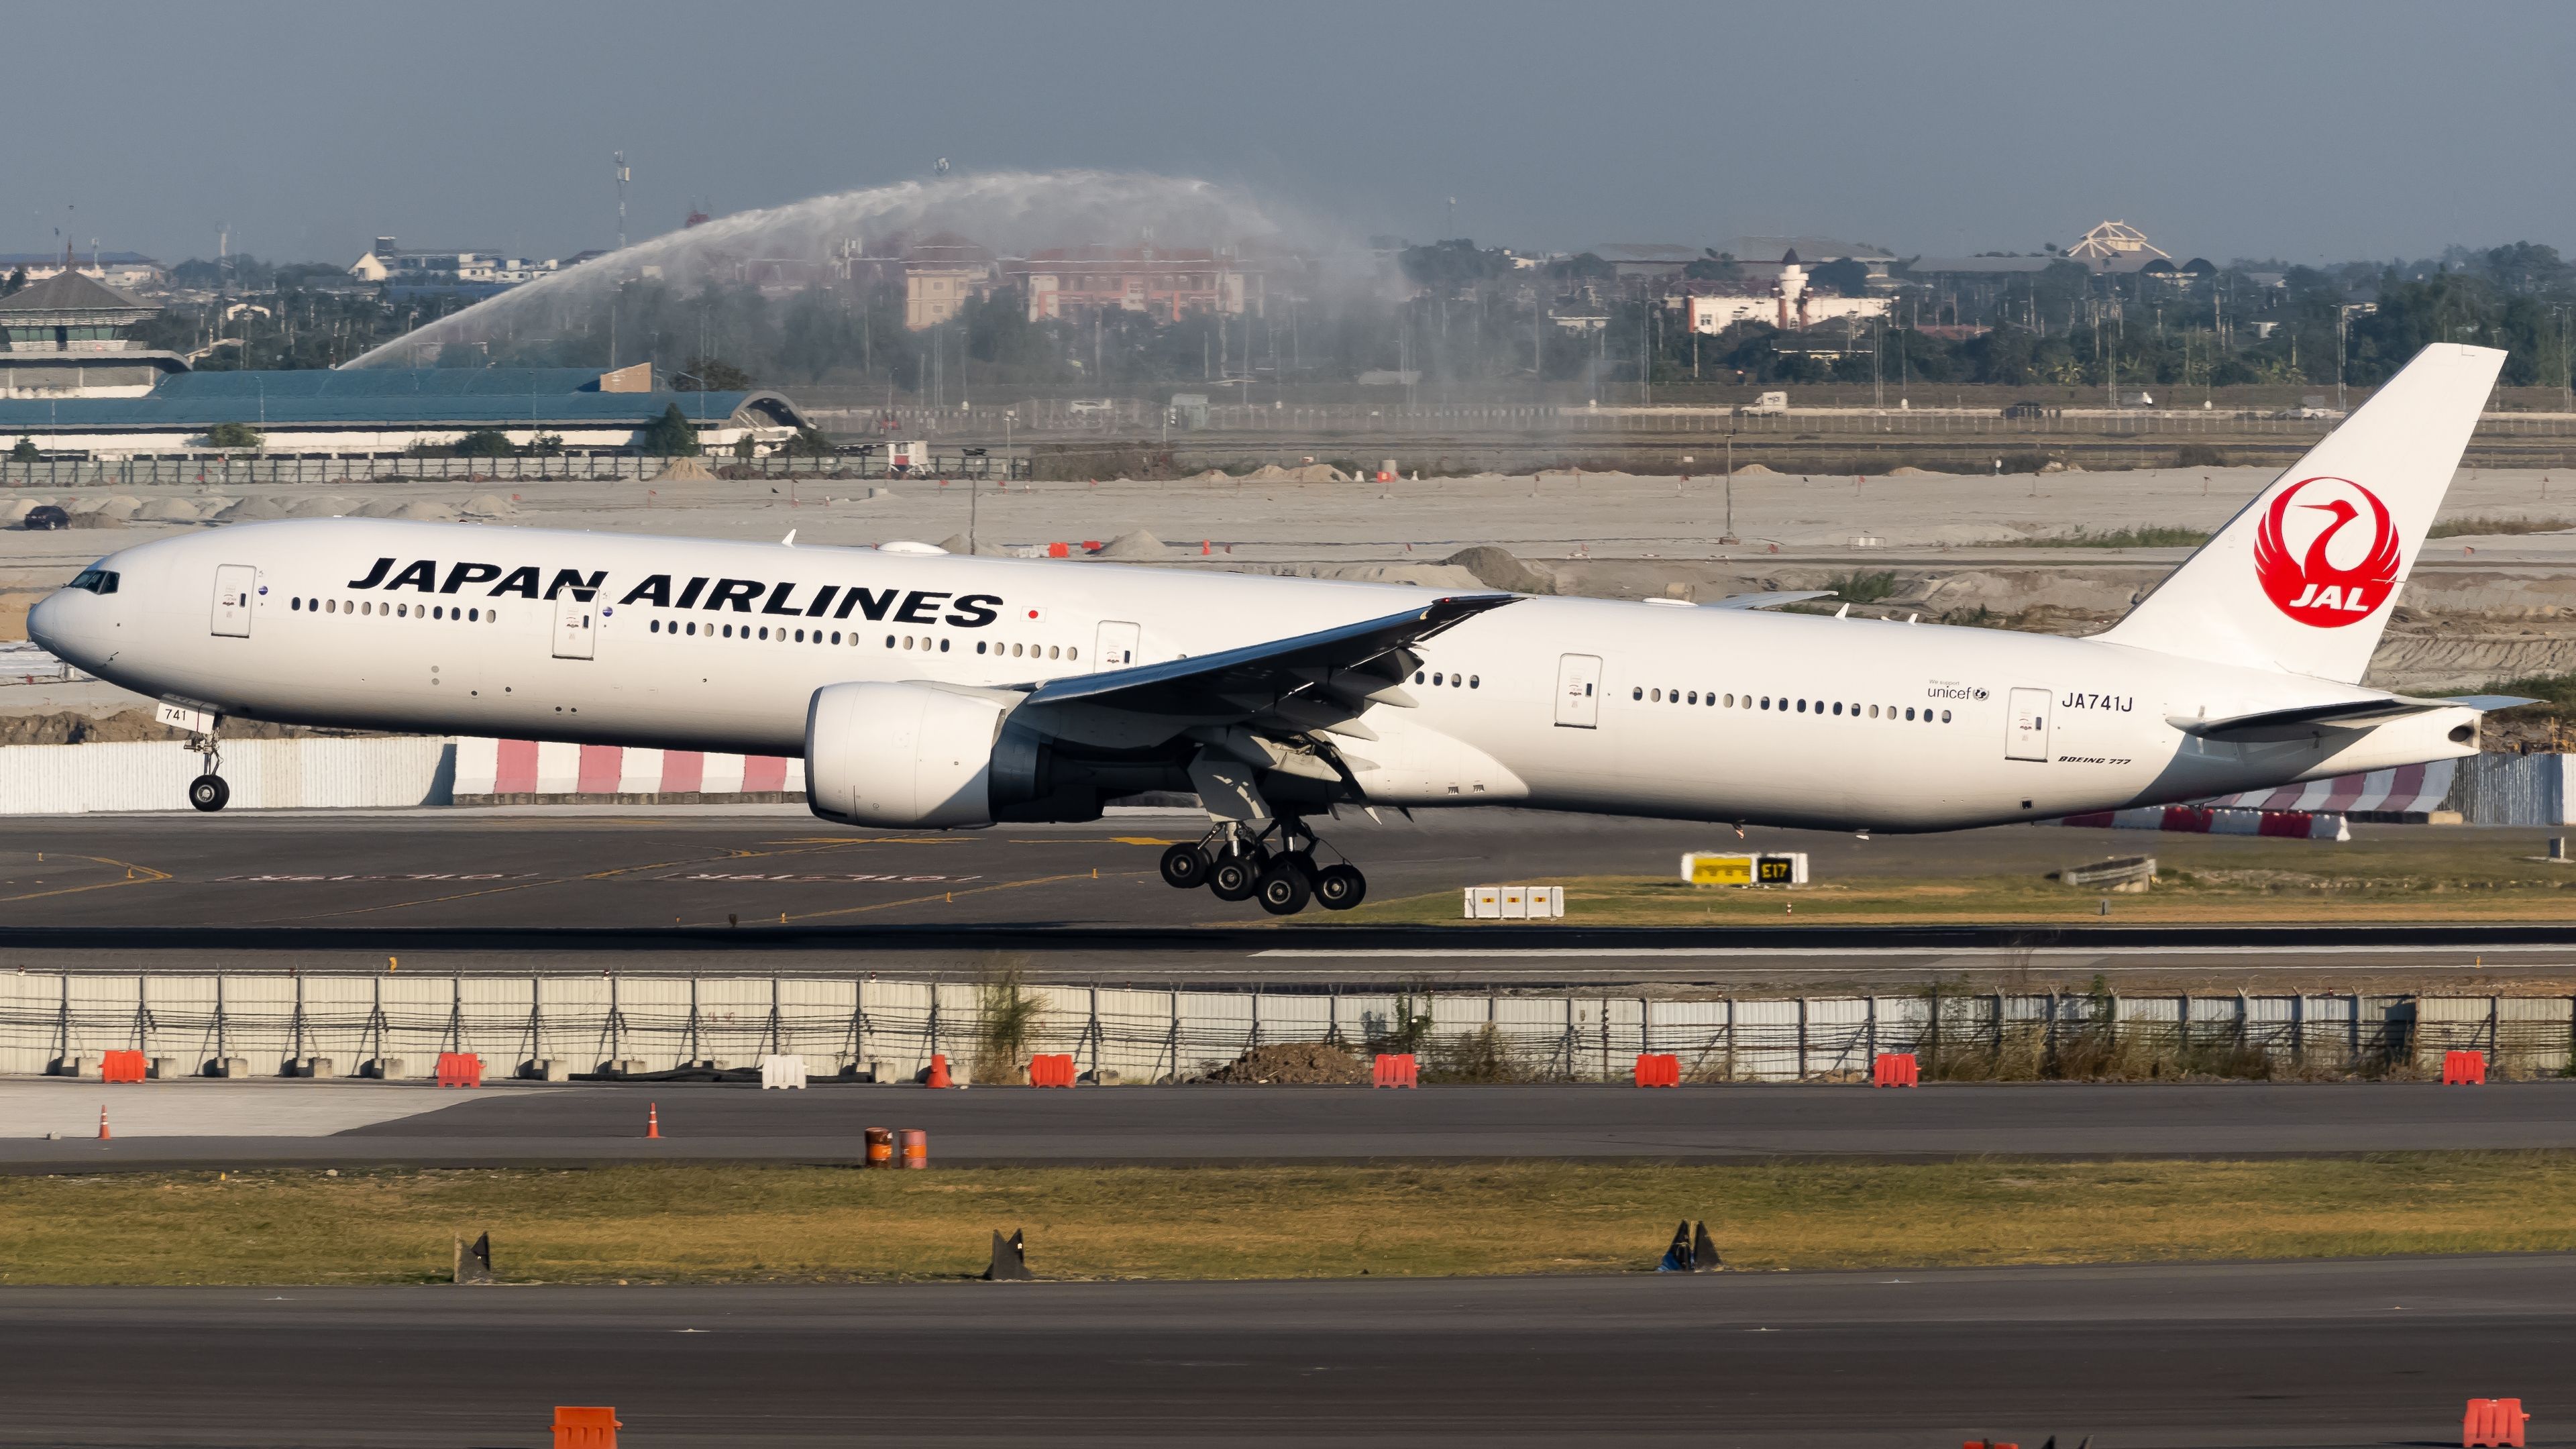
[(46, 517)]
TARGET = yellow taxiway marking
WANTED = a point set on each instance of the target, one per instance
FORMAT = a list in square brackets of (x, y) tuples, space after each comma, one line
[(134, 875)]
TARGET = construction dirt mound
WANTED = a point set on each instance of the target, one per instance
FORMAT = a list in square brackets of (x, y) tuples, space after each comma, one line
[(1304, 1064), (328, 505), (1498, 568), (169, 510), (252, 510), (70, 727), (686, 470), (1135, 543), (489, 505), (1306, 473)]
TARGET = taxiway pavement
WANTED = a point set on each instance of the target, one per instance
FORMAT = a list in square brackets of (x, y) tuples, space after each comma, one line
[(773, 891), (209, 1124), (2338, 1352)]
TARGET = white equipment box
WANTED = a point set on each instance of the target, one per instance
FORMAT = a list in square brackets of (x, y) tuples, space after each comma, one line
[(1515, 903)]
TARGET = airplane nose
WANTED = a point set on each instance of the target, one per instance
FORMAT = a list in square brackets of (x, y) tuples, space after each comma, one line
[(44, 623)]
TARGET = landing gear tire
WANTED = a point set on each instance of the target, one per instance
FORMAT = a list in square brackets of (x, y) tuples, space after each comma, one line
[(1235, 877), (1186, 866), (1284, 888), (1340, 887), (209, 792)]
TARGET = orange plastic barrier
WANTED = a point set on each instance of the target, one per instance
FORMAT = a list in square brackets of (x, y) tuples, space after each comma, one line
[(880, 1146), (121, 1066), (1658, 1069), (581, 1426), (1895, 1069), (460, 1069), (1988, 1444), (1051, 1070), (1058, 550), (914, 1144), (939, 1071), (2464, 1069), (2493, 1424), (1395, 1070)]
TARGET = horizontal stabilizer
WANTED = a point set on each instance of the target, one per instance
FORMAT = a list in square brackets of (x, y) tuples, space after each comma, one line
[(2351, 714)]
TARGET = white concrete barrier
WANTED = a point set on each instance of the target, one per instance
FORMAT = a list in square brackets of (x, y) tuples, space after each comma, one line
[(782, 1072), (299, 774)]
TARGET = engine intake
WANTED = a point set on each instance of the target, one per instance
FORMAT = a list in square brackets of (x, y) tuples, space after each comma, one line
[(901, 755)]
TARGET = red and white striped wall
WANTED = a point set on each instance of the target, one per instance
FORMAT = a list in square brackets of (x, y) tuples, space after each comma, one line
[(2202, 820), (2316, 810), (2408, 789), (518, 771)]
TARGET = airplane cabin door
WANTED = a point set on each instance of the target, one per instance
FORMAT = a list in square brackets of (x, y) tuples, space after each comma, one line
[(574, 627), (2029, 738), (234, 586), (1578, 691), (1117, 646)]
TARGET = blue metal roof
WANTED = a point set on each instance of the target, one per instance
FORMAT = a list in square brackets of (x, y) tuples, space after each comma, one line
[(385, 397)]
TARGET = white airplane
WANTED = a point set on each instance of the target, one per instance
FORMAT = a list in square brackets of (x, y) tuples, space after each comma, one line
[(931, 691)]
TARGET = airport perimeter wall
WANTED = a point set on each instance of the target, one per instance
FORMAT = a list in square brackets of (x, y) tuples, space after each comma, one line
[(398, 771), (274, 1020)]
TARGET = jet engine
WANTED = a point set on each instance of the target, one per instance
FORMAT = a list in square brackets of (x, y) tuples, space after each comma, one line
[(920, 757)]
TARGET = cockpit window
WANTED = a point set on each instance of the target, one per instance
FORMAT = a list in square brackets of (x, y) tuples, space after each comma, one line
[(96, 581)]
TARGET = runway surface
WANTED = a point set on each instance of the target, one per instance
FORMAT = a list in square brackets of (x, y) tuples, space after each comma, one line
[(1195, 1125), (770, 889), (2240, 1354)]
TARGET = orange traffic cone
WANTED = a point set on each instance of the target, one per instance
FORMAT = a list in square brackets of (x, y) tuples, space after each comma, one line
[(939, 1070), (103, 1133), (653, 1119)]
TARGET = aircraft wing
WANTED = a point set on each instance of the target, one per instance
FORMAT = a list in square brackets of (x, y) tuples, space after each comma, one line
[(2305, 720), (1768, 601), (1334, 672)]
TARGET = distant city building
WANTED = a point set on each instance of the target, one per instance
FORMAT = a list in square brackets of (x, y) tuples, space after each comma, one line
[(65, 338), (1653, 261), (1166, 282), (116, 269), (1764, 257), (939, 273), (2111, 247), (1785, 302), (447, 269), (366, 411)]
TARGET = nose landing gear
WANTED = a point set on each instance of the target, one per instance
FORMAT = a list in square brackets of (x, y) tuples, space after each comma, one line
[(208, 792), (1236, 865)]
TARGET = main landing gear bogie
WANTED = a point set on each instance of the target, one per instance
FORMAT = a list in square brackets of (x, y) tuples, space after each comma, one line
[(1238, 867)]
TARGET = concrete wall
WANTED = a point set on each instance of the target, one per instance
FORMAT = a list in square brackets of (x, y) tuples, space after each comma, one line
[(264, 775)]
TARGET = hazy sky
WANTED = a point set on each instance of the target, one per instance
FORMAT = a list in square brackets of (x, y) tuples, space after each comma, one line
[(2306, 131)]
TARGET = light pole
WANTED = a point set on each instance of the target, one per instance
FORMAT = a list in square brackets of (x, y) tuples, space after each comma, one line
[(1729, 535)]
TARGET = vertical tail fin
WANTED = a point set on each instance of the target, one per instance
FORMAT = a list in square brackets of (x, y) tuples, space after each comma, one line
[(2303, 579)]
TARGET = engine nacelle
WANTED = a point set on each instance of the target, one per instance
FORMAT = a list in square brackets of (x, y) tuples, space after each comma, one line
[(901, 755)]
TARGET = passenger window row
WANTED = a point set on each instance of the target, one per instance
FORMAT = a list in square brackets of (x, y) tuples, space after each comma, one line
[(692, 628), (391, 610), (1471, 681), (1711, 699)]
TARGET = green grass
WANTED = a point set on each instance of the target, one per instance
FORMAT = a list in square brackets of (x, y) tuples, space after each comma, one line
[(1860, 588), (2475, 526), (725, 1223), (2144, 536)]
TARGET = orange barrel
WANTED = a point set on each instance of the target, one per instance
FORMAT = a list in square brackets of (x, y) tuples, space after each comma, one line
[(880, 1147), (915, 1147)]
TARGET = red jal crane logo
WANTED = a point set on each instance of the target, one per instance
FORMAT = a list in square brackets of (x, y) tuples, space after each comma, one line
[(2304, 580)]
